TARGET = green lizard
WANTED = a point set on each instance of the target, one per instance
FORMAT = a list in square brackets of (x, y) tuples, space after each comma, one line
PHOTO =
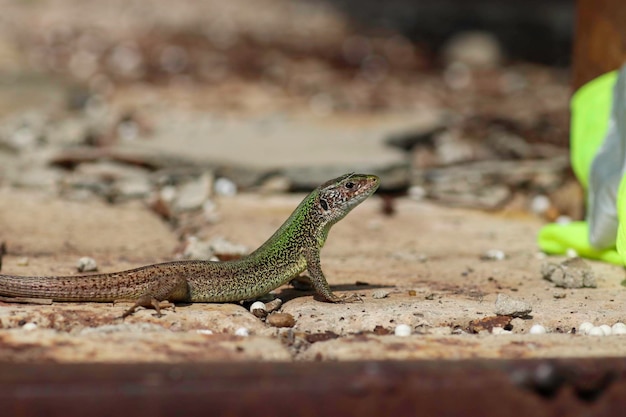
[(292, 249)]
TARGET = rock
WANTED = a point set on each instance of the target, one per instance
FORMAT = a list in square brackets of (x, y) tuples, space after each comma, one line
[(36, 178), (281, 320), (381, 293), (572, 273), (475, 49), (258, 309), (130, 188), (86, 264), (225, 187), (273, 305), (493, 255), (508, 306), (305, 153), (198, 249), (192, 195), (225, 249)]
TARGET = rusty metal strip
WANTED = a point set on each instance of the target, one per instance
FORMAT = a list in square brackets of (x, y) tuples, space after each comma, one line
[(572, 387)]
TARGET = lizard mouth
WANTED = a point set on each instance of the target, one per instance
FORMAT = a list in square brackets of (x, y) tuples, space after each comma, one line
[(368, 186)]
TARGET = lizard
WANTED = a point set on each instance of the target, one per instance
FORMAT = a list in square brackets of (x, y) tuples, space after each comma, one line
[(294, 248)]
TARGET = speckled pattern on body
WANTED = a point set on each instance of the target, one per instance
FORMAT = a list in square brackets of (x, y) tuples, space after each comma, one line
[(292, 249)]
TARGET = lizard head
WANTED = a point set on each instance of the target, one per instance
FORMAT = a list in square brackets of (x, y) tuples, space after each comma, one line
[(340, 195)]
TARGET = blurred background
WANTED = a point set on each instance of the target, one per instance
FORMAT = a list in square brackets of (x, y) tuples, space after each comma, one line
[(461, 102)]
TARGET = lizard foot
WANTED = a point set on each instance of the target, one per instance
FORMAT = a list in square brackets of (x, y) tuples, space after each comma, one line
[(344, 299), (148, 301)]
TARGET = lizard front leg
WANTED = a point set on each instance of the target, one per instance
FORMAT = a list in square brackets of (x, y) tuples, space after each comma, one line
[(168, 288), (319, 280)]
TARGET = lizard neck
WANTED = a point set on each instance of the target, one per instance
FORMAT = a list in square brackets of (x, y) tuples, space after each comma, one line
[(303, 229)]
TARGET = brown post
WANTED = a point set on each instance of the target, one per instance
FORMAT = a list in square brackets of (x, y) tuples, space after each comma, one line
[(600, 44)]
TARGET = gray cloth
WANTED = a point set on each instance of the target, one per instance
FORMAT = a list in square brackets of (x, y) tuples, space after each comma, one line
[(607, 170)]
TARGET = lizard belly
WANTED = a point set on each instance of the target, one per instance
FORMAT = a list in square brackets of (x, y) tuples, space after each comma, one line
[(242, 280)]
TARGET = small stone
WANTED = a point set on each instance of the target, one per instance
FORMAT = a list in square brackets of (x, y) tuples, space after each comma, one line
[(281, 320), (402, 330), (416, 192), (197, 249), (225, 187), (537, 329), (378, 294), (596, 331), (540, 204), (508, 306), (30, 326), (564, 220), (606, 329), (493, 255), (23, 261), (412, 293), (585, 327), (192, 195), (475, 49), (204, 331), (572, 273), (273, 305), (132, 187), (275, 184), (86, 264), (242, 331), (225, 249), (258, 309), (618, 328), (500, 330)]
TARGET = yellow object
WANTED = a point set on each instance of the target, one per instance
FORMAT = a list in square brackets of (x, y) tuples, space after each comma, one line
[(558, 239), (621, 215), (591, 109)]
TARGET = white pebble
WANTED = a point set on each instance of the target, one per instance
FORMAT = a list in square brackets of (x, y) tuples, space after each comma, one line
[(563, 220), (494, 255), (606, 329), (416, 192), (242, 331), (225, 187), (258, 305), (402, 330), (204, 331), (29, 326), (596, 331), (500, 330), (380, 293), (585, 327), (540, 204), (538, 329), (571, 253), (86, 264), (618, 328), (22, 261)]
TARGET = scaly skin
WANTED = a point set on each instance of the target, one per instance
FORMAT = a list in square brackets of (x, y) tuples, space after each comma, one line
[(292, 249)]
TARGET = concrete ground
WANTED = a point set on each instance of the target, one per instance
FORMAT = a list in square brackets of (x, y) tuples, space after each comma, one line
[(427, 259), (108, 104)]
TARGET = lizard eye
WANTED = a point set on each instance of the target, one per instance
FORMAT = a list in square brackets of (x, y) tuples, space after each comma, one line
[(324, 204), (350, 185)]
